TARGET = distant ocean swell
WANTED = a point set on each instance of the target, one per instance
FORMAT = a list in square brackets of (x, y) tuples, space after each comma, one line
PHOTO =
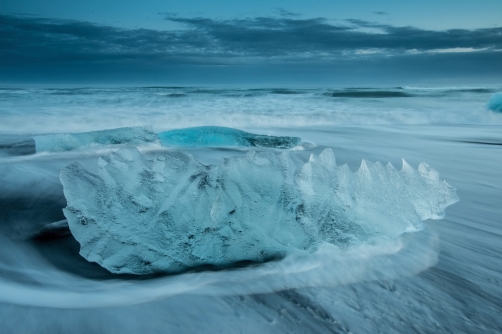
[(35, 111)]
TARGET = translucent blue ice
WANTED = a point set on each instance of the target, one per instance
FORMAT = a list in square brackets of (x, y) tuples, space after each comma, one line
[(172, 213), (70, 141), (495, 103), (222, 136), (198, 136)]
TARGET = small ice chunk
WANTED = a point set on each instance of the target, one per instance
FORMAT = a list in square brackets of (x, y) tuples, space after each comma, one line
[(495, 103), (70, 141), (222, 136), (57, 229), (172, 213)]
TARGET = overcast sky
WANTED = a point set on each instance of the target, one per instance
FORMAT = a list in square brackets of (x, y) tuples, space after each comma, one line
[(257, 42)]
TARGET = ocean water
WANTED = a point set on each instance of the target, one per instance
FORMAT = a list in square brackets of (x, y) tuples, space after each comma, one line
[(446, 278)]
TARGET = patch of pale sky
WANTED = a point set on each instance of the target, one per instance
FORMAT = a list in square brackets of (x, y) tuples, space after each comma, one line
[(446, 50), (457, 50)]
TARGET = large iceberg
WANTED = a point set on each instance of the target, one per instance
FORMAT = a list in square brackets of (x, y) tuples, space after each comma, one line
[(173, 213), (222, 136), (71, 141)]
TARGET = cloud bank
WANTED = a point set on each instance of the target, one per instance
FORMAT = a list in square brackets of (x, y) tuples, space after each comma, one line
[(32, 41)]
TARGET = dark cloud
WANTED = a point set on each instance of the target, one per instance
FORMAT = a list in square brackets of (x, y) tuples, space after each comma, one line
[(56, 40), (209, 40), (30, 41), (380, 13), (287, 13), (265, 36)]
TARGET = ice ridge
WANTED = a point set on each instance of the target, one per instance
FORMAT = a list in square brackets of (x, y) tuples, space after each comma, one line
[(222, 136), (197, 136), (71, 141), (173, 213)]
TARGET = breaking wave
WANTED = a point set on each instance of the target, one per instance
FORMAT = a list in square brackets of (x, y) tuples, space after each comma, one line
[(379, 94)]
